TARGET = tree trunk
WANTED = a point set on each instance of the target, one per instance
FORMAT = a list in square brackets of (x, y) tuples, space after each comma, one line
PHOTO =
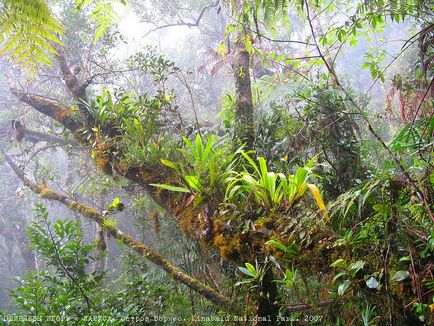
[(101, 248), (20, 237), (266, 308), (244, 127)]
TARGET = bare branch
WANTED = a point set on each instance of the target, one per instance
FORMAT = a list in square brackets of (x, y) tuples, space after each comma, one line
[(183, 23), (37, 136), (301, 307)]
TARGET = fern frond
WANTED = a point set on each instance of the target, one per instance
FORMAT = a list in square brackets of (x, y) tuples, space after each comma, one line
[(28, 33), (102, 14)]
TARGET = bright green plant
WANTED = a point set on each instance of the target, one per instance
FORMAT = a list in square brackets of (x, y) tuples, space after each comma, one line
[(102, 14), (369, 315), (252, 274), (227, 112), (57, 295), (134, 115), (290, 252), (200, 173), (29, 33), (149, 61), (270, 190)]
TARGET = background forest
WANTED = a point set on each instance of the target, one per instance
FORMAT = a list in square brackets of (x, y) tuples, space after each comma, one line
[(215, 162)]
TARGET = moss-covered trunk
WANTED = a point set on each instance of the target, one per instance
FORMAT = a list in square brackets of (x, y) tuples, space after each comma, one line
[(244, 131)]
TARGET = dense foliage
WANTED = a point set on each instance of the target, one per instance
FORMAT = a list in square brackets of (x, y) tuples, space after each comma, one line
[(310, 202)]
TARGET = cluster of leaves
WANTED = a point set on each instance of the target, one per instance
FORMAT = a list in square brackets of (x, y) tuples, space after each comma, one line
[(102, 14), (150, 62), (383, 213), (31, 32), (130, 127), (133, 117), (203, 169), (380, 215), (269, 190), (275, 130)]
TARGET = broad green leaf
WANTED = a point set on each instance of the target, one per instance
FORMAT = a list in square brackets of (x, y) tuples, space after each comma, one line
[(170, 164), (251, 268), (339, 275), (338, 263), (246, 271), (355, 267), (193, 182), (199, 148), (343, 287), (208, 147)]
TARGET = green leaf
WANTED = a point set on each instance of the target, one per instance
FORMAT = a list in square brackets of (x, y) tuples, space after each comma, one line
[(171, 188), (401, 275), (276, 244), (339, 275), (246, 271), (339, 263), (251, 268), (372, 283), (193, 182), (243, 282), (355, 267), (343, 287), (170, 164)]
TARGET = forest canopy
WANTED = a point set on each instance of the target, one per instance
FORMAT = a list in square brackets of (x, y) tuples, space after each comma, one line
[(217, 162)]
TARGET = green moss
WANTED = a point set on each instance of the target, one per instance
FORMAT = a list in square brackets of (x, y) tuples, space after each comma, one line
[(265, 221), (48, 193)]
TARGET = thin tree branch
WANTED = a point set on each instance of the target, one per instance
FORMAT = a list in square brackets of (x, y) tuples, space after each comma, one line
[(37, 136), (183, 23), (301, 307), (266, 37)]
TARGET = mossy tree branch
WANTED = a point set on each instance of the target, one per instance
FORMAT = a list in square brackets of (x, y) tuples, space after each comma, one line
[(50, 108), (174, 272), (78, 92), (63, 115)]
